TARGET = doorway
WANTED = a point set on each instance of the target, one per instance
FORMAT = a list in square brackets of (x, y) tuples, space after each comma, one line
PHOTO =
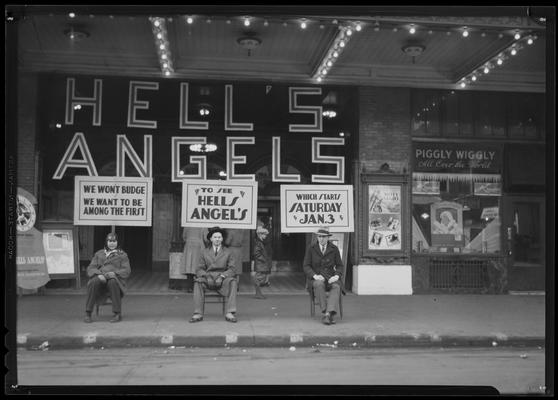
[(524, 229), (286, 249)]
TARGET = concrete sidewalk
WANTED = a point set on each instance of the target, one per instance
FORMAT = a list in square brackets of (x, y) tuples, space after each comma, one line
[(56, 322)]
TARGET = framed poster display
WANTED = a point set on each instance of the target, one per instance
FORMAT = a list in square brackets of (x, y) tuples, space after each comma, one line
[(385, 206), (60, 242)]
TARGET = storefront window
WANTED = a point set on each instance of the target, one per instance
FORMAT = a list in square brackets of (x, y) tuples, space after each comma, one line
[(456, 216), (456, 198)]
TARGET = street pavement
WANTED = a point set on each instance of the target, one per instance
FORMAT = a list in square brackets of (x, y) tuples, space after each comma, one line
[(55, 321)]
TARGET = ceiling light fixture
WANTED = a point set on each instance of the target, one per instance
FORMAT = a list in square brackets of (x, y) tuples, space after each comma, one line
[(249, 42), (76, 34)]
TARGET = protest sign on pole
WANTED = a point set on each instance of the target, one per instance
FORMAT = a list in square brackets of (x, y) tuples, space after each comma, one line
[(228, 204), (106, 200), (304, 208)]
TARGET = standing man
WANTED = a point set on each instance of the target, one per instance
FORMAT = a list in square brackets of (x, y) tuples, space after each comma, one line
[(215, 271), (323, 267), (262, 262)]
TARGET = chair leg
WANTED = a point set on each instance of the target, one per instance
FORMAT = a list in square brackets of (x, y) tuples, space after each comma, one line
[(312, 303), (97, 310), (341, 305)]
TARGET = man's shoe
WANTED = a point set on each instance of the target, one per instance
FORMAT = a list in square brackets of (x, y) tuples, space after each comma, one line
[(230, 317), (116, 318), (196, 318), (326, 319), (87, 318), (331, 320)]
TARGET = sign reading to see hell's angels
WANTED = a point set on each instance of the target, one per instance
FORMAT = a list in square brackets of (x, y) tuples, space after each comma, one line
[(106, 200), (227, 204), (304, 208)]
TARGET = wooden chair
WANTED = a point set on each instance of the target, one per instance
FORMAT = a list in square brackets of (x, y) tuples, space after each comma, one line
[(104, 301), (214, 297)]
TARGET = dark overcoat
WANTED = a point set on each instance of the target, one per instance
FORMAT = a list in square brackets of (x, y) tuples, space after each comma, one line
[(117, 262), (327, 264)]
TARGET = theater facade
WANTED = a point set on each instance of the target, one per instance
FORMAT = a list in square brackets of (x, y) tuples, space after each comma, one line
[(449, 186)]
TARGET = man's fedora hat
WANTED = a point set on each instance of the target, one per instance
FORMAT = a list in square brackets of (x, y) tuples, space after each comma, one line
[(216, 229), (323, 231)]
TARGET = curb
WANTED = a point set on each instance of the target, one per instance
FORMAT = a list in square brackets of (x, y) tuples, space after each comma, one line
[(354, 341)]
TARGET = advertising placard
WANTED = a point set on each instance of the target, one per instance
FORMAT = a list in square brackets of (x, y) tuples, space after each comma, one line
[(304, 208), (106, 200), (227, 204), (384, 210)]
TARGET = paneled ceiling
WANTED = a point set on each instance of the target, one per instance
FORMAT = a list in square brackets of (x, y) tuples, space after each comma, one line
[(122, 41)]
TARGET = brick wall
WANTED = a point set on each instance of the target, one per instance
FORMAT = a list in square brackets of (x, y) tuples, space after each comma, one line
[(384, 137), (385, 134), (26, 143)]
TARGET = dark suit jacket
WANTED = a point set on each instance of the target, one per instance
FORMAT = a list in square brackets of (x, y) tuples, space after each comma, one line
[(215, 265)]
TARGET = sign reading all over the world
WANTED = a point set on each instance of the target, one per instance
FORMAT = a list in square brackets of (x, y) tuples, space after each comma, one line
[(227, 204), (304, 208), (106, 200)]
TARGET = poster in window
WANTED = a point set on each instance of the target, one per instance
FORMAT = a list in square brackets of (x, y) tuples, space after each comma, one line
[(384, 210), (59, 251), (446, 220)]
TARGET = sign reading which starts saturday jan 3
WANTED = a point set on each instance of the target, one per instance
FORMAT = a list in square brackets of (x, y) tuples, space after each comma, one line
[(304, 208), (228, 204), (106, 200)]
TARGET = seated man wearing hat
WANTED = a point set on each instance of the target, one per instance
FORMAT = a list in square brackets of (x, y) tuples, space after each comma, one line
[(215, 271), (323, 267)]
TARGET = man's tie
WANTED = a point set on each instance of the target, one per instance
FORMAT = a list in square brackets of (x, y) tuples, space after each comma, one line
[(216, 250), (323, 249)]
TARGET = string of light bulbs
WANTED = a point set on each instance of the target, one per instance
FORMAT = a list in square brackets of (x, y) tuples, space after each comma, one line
[(159, 28), (497, 60)]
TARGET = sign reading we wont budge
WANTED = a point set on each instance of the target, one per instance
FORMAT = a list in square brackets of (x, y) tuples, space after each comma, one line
[(106, 200)]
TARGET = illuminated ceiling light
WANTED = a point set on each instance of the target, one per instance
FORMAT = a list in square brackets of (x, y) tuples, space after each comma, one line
[(303, 25), (349, 32), (412, 30), (324, 71), (167, 72), (486, 70), (463, 84), (329, 63), (530, 41), (319, 78), (203, 148), (424, 216), (465, 32), (76, 34), (513, 52), (266, 23), (517, 36), (342, 43), (329, 114), (190, 20), (499, 61), (358, 28), (159, 35), (335, 54), (246, 21), (72, 15), (474, 78)]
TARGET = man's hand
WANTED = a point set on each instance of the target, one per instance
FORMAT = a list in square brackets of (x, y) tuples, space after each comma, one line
[(334, 278), (219, 281), (102, 278), (110, 275), (318, 277)]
